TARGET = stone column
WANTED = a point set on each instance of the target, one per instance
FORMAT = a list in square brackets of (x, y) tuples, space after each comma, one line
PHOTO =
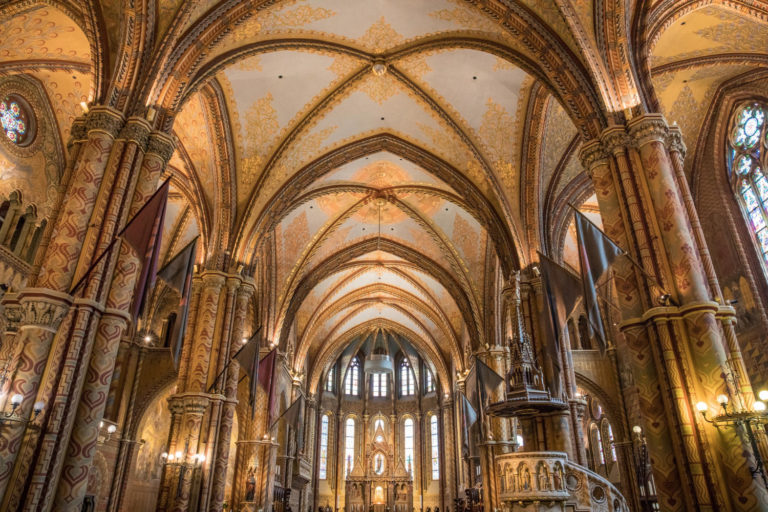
[(62, 255), (448, 480), (679, 353), (231, 376)]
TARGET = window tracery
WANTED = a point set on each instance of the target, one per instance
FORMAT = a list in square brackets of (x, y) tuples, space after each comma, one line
[(407, 379), (17, 119), (352, 379), (746, 165)]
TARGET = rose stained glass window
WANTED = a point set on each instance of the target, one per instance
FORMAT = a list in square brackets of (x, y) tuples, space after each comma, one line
[(746, 163), (16, 119)]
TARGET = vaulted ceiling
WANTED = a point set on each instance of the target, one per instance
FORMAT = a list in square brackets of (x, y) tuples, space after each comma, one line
[(387, 162)]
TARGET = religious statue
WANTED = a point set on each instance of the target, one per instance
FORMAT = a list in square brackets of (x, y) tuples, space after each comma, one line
[(526, 480), (250, 485)]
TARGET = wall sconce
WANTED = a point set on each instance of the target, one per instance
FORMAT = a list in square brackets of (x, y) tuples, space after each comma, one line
[(13, 416), (742, 419)]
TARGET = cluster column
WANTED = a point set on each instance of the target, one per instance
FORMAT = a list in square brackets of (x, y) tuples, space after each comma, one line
[(680, 354)]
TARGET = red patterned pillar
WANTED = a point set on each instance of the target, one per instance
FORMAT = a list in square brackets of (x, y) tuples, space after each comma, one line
[(49, 295), (221, 461), (680, 354)]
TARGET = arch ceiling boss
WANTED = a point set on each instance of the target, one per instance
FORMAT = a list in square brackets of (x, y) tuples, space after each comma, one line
[(364, 169)]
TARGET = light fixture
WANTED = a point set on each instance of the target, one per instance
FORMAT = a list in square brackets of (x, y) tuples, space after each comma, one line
[(169, 456), (379, 68), (112, 429), (637, 429), (178, 454), (147, 338), (16, 400), (743, 421), (763, 395)]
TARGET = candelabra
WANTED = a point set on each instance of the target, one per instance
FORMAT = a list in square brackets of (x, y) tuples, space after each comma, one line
[(743, 420), (184, 461), (643, 468), (13, 415)]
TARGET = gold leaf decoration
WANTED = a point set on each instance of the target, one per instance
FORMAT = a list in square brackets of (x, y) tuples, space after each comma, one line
[(380, 36), (379, 88), (261, 129), (343, 65)]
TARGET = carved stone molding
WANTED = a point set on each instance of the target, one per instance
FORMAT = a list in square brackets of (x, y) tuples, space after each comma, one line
[(136, 130), (13, 312), (78, 132), (104, 119)]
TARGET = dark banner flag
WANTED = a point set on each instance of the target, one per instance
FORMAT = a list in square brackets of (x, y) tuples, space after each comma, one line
[(144, 234), (266, 379), (469, 418), (481, 382), (291, 414), (596, 253), (178, 275), (561, 291)]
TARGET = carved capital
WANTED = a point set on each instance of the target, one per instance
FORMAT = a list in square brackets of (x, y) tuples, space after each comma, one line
[(195, 405), (648, 128), (592, 155), (78, 132), (104, 119), (615, 140), (14, 313), (162, 145), (136, 130), (43, 308), (675, 141)]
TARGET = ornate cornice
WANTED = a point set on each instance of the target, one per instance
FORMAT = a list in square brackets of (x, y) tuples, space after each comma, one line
[(162, 145)]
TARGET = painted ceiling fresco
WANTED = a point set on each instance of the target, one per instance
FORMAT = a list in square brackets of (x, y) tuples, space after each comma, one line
[(694, 56)]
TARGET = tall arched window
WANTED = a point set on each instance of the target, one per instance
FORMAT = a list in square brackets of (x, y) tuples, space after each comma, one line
[(408, 444), (746, 164), (407, 380), (429, 382), (598, 441), (329, 380), (323, 465), (349, 446), (434, 441), (352, 379), (611, 442)]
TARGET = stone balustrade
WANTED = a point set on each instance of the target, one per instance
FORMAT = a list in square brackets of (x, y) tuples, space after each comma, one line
[(550, 482)]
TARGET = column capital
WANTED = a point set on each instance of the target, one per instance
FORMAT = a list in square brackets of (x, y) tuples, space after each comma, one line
[(675, 140), (13, 312), (615, 140), (161, 144), (104, 119), (648, 128), (136, 130), (43, 307), (592, 154), (78, 132)]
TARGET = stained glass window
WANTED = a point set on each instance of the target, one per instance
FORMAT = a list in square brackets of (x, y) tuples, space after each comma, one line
[(746, 161), (352, 379), (16, 119), (408, 444), (329, 380), (429, 382), (435, 447), (407, 380), (349, 446), (612, 443), (323, 471)]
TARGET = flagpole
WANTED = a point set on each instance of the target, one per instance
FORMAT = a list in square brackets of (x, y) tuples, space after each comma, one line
[(93, 265), (634, 262)]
